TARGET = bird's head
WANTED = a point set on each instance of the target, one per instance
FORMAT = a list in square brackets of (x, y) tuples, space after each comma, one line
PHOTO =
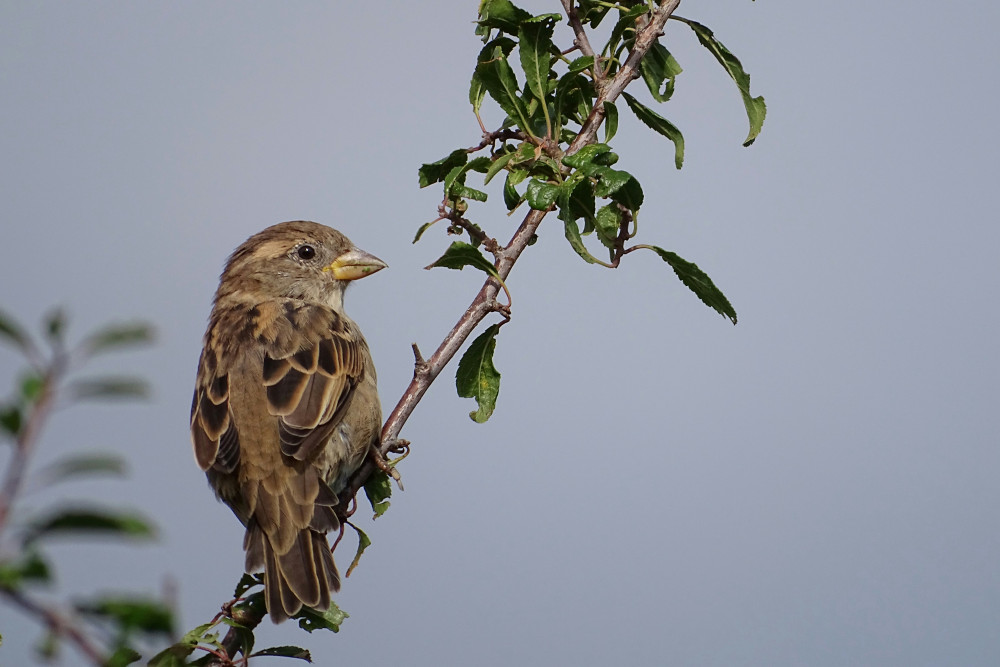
[(298, 260)]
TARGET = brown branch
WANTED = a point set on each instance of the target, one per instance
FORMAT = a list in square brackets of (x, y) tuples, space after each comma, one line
[(58, 624), (504, 134), (26, 440), (459, 223), (581, 41), (644, 41), (425, 372)]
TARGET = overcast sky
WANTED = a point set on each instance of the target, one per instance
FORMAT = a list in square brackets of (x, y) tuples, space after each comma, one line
[(814, 486)]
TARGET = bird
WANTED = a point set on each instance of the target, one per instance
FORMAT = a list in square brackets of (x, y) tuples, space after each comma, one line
[(286, 403)]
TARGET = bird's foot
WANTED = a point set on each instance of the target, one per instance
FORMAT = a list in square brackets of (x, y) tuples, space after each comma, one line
[(396, 446)]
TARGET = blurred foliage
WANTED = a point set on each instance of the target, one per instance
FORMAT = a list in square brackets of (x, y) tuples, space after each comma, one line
[(107, 629)]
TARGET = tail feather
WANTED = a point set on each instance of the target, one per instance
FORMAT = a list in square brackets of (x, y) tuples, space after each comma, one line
[(286, 537), (305, 575), (298, 569)]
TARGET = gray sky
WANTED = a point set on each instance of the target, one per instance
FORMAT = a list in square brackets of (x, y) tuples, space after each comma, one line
[(816, 485)]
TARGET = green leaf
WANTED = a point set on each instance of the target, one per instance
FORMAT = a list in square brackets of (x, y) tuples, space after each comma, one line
[(585, 155), (90, 521), (660, 124), (606, 158), (610, 120), (378, 489), (363, 543), (423, 228), (31, 387), (454, 182), (460, 255), (535, 47), (629, 195), (540, 195), (117, 335), (477, 377), (576, 242), (593, 11), (131, 613), (697, 281), (465, 192), (433, 172), (755, 106), (249, 610), (246, 582), (480, 164), (108, 387), (574, 97), (78, 465), (499, 162), (11, 420), (569, 96), (501, 83), (174, 655), (659, 68), (123, 656), (311, 620), (576, 200), (477, 92), (47, 647), (285, 652), (609, 220), (610, 181), (12, 331), (626, 24), (580, 64), (243, 634), (502, 15), (511, 198), (30, 567), (55, 325)]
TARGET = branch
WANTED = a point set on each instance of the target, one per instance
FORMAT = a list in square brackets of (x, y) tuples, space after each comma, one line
[(58, 624), (26, 440), (644, 40), (581, 41), (425, 372)]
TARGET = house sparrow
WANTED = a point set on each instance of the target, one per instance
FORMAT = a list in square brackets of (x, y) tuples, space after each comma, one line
[(285, 404)]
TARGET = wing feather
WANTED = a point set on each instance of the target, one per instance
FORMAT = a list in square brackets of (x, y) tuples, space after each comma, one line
[(309, 381)]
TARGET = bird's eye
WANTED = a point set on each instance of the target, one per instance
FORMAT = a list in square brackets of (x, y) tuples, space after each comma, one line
[(306, 251)]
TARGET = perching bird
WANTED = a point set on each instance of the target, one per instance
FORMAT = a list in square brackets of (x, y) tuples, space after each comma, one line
[(285, 405)]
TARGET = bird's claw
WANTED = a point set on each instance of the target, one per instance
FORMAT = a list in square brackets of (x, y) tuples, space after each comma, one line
[(396, 446)]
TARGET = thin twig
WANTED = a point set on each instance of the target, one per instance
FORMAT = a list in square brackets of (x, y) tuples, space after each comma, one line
[(582, 42), (58, 624), (504, 134), (26, 440)]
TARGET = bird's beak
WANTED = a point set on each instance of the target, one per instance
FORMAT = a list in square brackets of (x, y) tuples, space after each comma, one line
[(355, 264)]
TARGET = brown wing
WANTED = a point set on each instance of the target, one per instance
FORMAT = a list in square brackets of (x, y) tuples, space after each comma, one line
[(310, 388), (312, 360), (213, 430)]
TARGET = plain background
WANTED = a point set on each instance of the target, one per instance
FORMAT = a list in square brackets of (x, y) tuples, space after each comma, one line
[(815, 486)]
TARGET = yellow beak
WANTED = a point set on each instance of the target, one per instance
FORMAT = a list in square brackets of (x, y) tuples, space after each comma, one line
[(355, 264)]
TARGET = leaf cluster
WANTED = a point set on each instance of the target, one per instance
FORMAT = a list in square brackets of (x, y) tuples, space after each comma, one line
[(206, 644), (549, 95)]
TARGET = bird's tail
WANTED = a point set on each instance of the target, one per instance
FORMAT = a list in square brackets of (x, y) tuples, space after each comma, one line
[(304, 574)]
